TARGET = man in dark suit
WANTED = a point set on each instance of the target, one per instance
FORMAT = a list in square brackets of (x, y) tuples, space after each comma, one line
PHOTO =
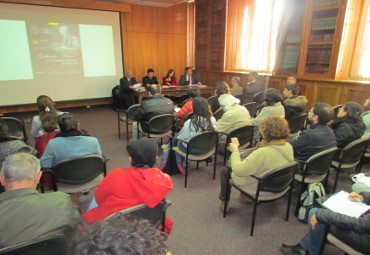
[(253, 86), (149, 78), (125, 88), (189, 77)]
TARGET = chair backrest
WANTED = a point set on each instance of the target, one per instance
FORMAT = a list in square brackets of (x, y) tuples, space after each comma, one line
[(131, 110), (160, 124), (188, 116), (319, 163), (15, 128), (244, 135), (252, 108), (79, 170), (184, 102), (336, 110), (298, 123), (54, 244), (353, 152), (218, 114), (279, 179), (203, 142), (258, 97)]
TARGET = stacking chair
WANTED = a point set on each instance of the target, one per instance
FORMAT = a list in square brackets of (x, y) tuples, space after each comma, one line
[(156, 215), (79, 173), (315, 169), (279, 182), (54, 244), (245, 137), (201, 146), (252, 108), (178, 126), (298, 123), (218, 114), (159, 126), (349, 156), (16, 128), (258, 97), (129, 119)]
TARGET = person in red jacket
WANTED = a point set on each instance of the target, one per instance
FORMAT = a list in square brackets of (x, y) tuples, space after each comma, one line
[(170, 78), (139, 184), (188, 106)]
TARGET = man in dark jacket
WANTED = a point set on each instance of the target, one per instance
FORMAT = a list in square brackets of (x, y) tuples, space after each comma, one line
[(355, 232), (149, 78), (293, 104), (126, 88), (154, 105), (253, 86), (319, 137)]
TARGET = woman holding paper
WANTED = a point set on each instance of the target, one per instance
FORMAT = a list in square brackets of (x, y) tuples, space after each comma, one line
[(355, 232)]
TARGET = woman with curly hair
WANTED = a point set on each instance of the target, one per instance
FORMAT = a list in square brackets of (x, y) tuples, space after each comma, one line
[(272, 152)]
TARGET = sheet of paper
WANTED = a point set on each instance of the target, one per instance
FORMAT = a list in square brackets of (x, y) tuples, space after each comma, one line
[(361, 178), (340, 203)]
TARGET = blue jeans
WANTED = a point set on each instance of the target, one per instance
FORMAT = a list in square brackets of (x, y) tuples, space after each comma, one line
[(179, 158), (312, 241)]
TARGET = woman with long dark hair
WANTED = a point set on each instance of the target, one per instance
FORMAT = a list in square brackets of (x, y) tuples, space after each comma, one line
[(349, 125), (202, 120), (170, 78)]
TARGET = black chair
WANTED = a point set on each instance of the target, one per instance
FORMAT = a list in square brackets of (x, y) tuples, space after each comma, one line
[(178, 125), (218, 114), (128, 119), (159, 126), (349, 156), (298, 123), (241, 98), (252, 108), (315, 169), (330, 238), (78, 173), (54, 244), (278, 182), (156, 215), (16, 128), (259, 97), (201, 146), (336, 110), (245, 137)]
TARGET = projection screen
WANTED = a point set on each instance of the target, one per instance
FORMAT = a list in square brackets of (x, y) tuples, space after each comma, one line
[(67, 54)]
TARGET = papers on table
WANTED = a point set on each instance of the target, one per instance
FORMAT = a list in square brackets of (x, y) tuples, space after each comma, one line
[(361, 178), (137, 85), (340, 203)]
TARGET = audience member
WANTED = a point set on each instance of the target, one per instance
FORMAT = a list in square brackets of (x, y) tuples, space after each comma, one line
[(271, 153), (221, 88), (319, 137), (188, 106), (236, 89), (366, 118), (273, 107), (291, 80), (253, 86), (350, 230), (170, 78), (349, 125), (293, 104), (49, 124), (24, 213), (139, 184), (154, 105), (189, 77), (121, 234), (201, 120), (45, 104), (149, 78), (126, 88), (11, 145)]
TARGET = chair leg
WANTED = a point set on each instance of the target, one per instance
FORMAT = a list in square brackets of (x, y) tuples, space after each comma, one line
[(186, 171), (127, 134), (119, 126), (214, 167), (336, 180), (289, 201), (228, 193), (300, 192), (254, 216), (197, 164), (138, 131)]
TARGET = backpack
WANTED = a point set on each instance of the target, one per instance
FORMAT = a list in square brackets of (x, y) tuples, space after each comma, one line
[(308, 199), (117, 102)]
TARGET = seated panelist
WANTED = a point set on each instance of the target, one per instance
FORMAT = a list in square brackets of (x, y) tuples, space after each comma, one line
[(170, 78), (189, 78)]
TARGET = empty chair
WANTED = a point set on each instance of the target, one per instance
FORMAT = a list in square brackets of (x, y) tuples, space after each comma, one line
[(15, 128), (79, 173), (252, 108), (159, 126), (278, 182), (128, 119), (315, 169), (201, 146), (218, 114), (349, 156), (298, 123)]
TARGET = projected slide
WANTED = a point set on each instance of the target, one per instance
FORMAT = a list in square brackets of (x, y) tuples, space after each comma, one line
[(67, 54)]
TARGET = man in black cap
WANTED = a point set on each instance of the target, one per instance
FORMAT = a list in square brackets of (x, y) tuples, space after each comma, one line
[(139, 184)]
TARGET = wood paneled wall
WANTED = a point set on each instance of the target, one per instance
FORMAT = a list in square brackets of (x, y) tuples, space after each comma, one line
[(328, 91), (155, 38)]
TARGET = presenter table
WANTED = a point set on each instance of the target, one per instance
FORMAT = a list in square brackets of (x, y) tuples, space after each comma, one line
[(176, 91)]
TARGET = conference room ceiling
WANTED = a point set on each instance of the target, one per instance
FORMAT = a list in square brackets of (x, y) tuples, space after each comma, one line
[(157, 3)]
